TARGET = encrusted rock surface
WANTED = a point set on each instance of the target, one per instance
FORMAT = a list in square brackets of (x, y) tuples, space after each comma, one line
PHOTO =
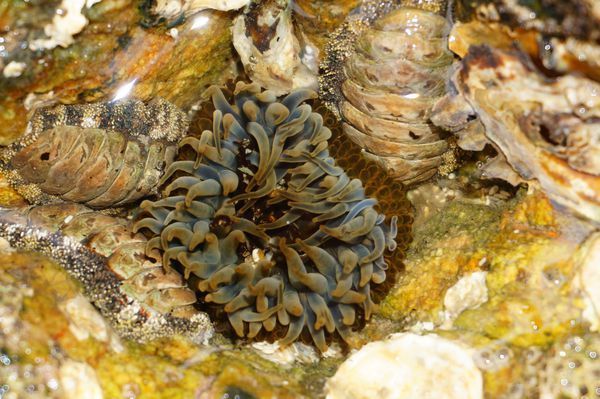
[(495, 276)]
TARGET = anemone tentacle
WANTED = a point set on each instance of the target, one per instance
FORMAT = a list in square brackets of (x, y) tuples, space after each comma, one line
[(267, 223)]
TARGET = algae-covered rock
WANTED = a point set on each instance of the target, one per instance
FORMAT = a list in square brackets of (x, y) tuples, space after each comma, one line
[(111, 55), (527, 259), (54, 344), (445, 248)]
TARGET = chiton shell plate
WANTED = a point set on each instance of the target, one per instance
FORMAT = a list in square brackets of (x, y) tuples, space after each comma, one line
[(101, 155), (396, 71), (140, 273)]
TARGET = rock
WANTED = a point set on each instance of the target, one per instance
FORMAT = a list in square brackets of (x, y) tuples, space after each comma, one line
[(468, 293), (408, 366), (588, 279), (79, 381)]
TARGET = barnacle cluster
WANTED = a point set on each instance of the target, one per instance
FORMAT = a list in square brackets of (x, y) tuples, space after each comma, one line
[(262, 222)]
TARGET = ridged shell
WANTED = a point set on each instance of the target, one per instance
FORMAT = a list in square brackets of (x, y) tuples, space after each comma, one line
[(102, 154), (396, 71), (142, 277)]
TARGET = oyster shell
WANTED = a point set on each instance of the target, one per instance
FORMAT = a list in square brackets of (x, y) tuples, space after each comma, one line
[(548, 130), (264, 38), (563, 35), (396, 71)]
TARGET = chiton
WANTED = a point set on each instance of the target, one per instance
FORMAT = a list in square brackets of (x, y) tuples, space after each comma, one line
[(131, 289), (385, 69), (100, 154)]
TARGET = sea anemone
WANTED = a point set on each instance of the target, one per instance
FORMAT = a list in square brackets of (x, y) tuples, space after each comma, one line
[(263, 224)]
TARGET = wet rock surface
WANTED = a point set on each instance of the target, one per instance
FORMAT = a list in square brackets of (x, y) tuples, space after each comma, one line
[(498, 293)]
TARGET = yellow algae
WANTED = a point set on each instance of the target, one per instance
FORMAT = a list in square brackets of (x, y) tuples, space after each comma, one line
[(530, 266), (529, 302), (12, 120), (534, 211), (528, 255), (177, 348), (528, 263), (445, 248), (146, 375), (50, 286), (153, 373), (239, 379)]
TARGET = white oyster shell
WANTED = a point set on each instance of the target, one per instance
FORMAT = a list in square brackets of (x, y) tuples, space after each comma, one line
[(79, 380), (408, 366), (65, 24), (264, 38)]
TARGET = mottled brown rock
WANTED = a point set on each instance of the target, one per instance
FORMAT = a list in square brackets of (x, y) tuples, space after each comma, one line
[(546, 128)]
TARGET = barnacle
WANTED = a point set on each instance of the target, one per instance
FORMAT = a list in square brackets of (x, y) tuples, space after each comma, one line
[(263, 223)]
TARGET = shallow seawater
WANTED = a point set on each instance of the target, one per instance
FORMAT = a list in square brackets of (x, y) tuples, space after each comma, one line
[(492, 288)]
